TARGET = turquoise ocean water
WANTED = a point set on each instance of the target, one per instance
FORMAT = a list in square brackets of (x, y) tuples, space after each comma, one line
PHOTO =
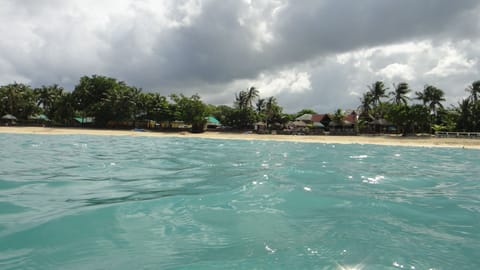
[(95, 202)]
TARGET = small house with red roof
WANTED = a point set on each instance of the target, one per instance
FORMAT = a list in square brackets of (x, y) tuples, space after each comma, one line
[(324, 119)]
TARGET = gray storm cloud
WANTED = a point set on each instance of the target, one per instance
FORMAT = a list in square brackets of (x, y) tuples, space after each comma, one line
[(216, 48)]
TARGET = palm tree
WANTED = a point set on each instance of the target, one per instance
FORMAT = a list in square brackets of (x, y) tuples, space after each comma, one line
[(473, 105), (245, 114), (431, 97), (47, 97), (338, 116), (377, 90), (399, 94), (18, 99), (261, 103), (10, 99), (64, 108), (466, 116), (252, 94), (365, 107), (241, 100), (474, 90), (272, 110)]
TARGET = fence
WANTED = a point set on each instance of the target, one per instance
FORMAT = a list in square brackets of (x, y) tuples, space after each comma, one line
[(445, 134)]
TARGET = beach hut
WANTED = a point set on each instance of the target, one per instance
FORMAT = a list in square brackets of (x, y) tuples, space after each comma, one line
[(324, 119), (260, 127), (317, 128), (9, 119), (298, 127), (39, 119), (380, 125), (318, 125), (307, 118), (300, 124), (212, 122), (343, 127), (83, 121)]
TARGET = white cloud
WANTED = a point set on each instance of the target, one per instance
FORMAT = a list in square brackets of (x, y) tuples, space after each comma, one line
[(289, 81), (397, 71), (451, 62), (403, 48), (285, 81)]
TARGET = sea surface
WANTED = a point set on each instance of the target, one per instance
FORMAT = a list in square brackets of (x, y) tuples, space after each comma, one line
[(131, 202)]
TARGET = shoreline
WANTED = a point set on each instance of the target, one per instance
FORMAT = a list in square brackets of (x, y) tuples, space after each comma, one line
[(392, 140)]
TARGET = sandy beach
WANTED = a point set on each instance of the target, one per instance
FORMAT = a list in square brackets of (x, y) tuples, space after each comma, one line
[(420, 141)]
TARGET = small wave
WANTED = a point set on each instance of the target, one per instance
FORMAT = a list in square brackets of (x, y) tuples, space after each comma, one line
[(373, 180), (359, 157)]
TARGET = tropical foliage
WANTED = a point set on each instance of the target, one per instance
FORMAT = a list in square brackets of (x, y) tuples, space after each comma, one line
[(108, 101), (19, 100), (407, 118), (191, 110), (400, 93)]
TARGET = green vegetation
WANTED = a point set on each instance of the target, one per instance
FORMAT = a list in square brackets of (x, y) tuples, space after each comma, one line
[(115, 104), (428, 116)]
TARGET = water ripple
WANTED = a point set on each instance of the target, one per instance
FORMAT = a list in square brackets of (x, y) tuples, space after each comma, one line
[(80, 202)]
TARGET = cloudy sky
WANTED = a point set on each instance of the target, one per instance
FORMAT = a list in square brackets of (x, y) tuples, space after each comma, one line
[(318, 54)]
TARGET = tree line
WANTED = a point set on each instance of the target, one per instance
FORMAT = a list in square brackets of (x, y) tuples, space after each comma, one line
[(106, 99), (426, 114)]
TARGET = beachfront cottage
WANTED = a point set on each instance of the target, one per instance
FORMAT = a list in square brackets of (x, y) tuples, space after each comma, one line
[(212, 122), (312, 123), (323, 119), (352, 117), (382, 126), (83, 121), (343, 127), (347, 126), (306, 118), (311, 119), (260, 127), (298, 127)]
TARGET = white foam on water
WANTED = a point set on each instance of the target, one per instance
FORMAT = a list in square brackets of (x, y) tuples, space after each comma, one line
[(359, 157), (312, 251), (269, 249), (373, 180)]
